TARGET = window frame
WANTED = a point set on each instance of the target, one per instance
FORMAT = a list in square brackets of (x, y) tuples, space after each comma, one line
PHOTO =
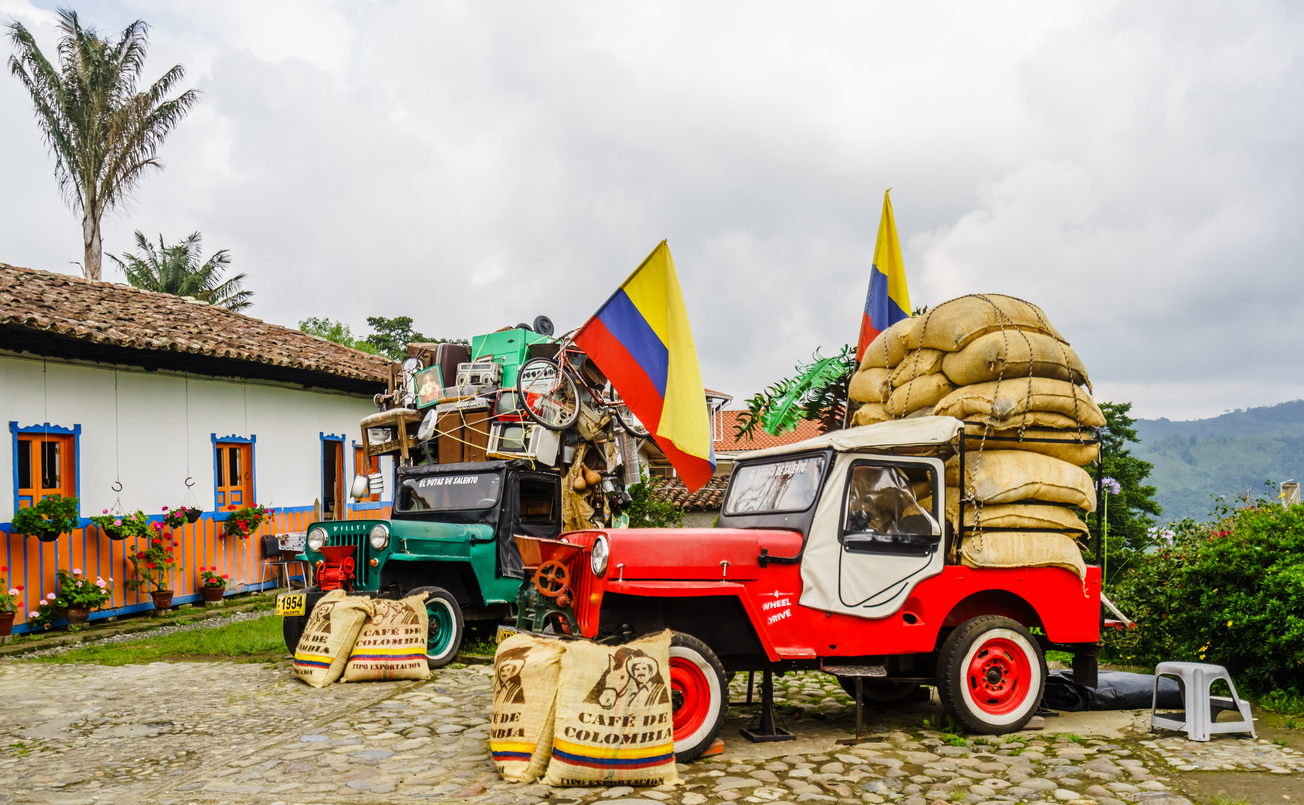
[(247, 447), (71, 460), (938, 512)]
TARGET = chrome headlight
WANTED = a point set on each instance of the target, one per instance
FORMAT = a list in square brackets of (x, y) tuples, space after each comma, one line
[(598, 558), (316, 539), (379, 536)]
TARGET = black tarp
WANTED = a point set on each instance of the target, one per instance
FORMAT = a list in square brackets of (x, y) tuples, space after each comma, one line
[(1116, 691)]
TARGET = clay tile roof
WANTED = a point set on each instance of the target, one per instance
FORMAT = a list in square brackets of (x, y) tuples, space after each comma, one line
[(709, 498), (727, 441), (106, 313)]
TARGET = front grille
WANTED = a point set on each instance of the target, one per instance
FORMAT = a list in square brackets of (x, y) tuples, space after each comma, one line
[(355, 534), (583, 586)]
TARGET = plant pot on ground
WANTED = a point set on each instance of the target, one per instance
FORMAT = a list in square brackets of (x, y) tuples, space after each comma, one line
[(162, 599), (153, 567), (80, 595), (8, 604), (7, 623), (211, 585)]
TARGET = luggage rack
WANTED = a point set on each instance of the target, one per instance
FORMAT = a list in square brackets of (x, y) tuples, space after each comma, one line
[(1081, 436)]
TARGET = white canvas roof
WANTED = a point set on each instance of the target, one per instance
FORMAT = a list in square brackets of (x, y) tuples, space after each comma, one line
[(897, 433)]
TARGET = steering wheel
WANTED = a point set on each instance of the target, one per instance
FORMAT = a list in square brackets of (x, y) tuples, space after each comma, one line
[(551, 578)]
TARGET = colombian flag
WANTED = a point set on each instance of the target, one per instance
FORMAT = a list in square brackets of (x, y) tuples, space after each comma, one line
[(641, 341), (888, 301)]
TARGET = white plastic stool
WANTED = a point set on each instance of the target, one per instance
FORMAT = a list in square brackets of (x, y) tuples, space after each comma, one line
[(1196, 680)]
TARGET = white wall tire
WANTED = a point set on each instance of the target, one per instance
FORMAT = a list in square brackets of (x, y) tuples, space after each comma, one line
[(699, 695), (992, 674)]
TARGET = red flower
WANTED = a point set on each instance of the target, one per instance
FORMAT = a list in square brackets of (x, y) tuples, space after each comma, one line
[(19, 587), (223, 576)]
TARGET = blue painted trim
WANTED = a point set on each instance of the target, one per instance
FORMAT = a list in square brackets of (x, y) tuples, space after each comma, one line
[(252, 441), (322, 439), (47, 428)]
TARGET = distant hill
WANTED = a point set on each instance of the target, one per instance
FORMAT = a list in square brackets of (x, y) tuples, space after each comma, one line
[(1224, 455)]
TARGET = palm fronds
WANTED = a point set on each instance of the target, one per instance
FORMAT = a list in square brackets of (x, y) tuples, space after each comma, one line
[(818, 391), (177, 270)]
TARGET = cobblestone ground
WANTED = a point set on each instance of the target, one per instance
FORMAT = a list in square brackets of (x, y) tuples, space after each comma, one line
[(230, 733)]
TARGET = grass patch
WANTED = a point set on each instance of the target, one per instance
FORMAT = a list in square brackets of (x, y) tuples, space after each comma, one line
[(246, 641), (1059, 656)]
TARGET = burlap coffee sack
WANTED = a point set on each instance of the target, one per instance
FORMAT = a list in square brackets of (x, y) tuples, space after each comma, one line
[(1003, 404), (526, 671), (1010, 515), (614, 717), (1066, 445), (916, 363), (870, 414), (1008, 476), (953, 325), (887, 350), (920, 394), (1018, 549), (392, 643), (1012, 354), (328, 637), (867, 385)]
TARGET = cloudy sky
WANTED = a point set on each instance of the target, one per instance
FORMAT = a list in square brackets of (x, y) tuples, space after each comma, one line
[(1134, 168)]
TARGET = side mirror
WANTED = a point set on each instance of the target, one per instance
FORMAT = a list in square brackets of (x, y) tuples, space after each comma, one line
[(361, 488)]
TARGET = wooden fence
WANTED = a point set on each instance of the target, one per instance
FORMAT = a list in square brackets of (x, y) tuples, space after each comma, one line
[(33, 564)]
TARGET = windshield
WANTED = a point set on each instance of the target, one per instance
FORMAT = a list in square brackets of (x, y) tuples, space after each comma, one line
[(475, 490), (780, 486)]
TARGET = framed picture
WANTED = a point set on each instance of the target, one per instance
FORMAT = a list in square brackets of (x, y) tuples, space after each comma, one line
[(430, 387)]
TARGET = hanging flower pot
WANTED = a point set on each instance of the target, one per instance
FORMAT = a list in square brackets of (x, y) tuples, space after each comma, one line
[(193, 514), (51, 517), (244, 522), (122, 526)]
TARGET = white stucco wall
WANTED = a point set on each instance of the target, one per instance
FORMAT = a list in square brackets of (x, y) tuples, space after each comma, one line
[(157, 427)]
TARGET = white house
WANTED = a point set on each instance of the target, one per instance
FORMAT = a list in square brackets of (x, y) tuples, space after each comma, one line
[(119, 396)]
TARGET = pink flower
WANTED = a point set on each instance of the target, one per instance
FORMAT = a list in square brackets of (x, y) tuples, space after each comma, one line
[(13, 592), (165, 508), (76, 572), (106, 511), (33, 614), (100, 583), (117, 522), (50, 597)]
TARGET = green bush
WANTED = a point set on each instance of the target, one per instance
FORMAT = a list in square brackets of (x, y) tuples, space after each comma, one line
[(1229, 592)]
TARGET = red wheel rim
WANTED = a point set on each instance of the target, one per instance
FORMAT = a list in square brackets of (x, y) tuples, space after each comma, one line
[(688, 681), (999, 676)]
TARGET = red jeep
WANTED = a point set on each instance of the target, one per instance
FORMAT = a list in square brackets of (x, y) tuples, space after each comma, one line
[(831, 554)]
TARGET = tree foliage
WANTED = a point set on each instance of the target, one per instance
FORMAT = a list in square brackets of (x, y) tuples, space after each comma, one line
[(816, 390), (648, 510), (1229, 591), (103, 132), (177, 270), (1132, 510), (336, 331)]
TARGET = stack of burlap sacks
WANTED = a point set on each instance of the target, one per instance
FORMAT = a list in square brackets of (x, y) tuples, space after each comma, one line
[(361, 639), (998, 364)]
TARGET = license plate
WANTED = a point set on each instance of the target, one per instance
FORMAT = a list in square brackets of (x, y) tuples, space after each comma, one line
[(290, 604), (505, 632)]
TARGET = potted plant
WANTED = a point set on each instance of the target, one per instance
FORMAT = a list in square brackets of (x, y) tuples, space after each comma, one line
[(211, 586), (175, 518), (48, 518), (8, 605), (244, 522), (82, 595), (122, 526), (153, 568), (50, 609)]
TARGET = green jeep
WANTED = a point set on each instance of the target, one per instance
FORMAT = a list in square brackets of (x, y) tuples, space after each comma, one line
[(450, 535)]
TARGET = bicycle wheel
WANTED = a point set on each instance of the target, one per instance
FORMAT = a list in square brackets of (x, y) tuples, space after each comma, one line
[(549, 394), (627, 418)]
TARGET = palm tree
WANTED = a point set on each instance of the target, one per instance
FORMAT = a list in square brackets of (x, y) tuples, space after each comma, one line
[(102, 132), (177, 270)]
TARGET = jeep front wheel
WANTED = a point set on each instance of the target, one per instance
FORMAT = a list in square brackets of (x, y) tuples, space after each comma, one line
[(991, 675), (444, 622), (699, 695)]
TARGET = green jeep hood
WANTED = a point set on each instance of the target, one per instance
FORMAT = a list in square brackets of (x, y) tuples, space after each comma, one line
[(445, 532)]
